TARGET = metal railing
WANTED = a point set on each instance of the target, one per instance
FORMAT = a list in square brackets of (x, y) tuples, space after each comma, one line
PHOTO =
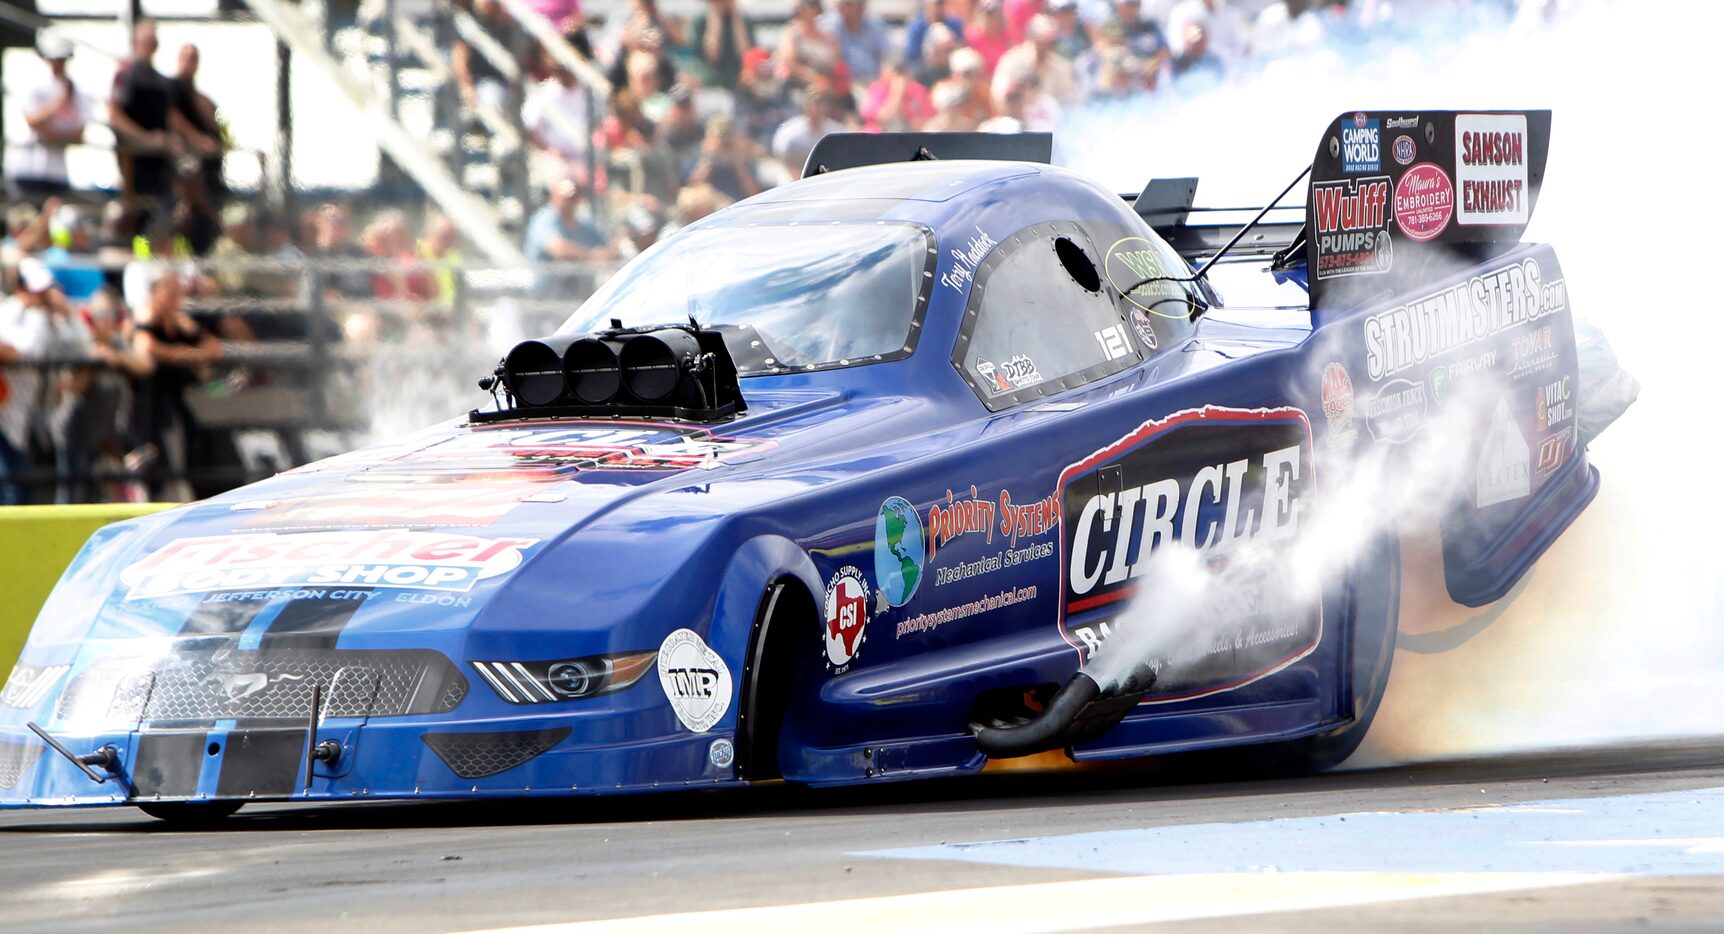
[(305, 374)]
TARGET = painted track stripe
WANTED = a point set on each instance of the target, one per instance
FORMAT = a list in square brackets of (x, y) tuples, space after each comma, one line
[(1087, 903)]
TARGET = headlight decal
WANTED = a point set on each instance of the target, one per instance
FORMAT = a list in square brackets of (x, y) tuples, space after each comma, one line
[(563, 679)]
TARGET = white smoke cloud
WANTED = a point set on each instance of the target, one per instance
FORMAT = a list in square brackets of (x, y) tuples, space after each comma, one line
[(1618, 632)]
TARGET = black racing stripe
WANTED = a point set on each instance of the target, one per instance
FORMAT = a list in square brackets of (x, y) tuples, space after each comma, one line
[(167, 764), (222, 618), (311, 624), (262, 762)]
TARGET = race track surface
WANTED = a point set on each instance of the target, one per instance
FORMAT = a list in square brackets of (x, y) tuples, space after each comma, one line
[(1595, 839)]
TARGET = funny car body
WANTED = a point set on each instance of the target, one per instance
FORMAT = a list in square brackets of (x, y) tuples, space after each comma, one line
[(852, 482)]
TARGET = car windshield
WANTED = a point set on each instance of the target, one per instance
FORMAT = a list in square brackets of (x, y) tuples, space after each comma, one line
[(785, 297)]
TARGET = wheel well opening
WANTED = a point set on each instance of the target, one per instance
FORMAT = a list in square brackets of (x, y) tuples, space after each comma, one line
[(785, 618)]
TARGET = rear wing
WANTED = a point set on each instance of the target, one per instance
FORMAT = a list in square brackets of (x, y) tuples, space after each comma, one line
[(836, 151), (1394, 195)]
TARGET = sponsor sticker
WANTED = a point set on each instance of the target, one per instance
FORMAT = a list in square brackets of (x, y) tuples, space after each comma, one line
[(1408, 335), (1145, 330), (1552, 404), (1209, 479), (996, 380), (1338, 402), (899, 550), (1553, 451), (1137, 270), (1491, 168), (1361, 145), (542, 454), (695, 680), (370, 507), (1405, 149), (436, 561), (1424, 201), (29, 684), (1401, 123), (1352, 227), (846, 617), (1534, 352), (1397, 412), (1503, 474)]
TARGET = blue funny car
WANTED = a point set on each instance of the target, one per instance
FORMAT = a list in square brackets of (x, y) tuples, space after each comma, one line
[(860, 480)]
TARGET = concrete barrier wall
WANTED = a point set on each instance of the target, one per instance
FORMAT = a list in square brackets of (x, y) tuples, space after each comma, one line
[(36, 544)]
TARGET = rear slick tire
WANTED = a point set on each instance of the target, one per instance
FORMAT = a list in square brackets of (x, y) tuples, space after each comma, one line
[(1376, 603)]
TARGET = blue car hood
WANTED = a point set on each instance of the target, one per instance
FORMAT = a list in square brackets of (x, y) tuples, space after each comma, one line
[(430, 533)]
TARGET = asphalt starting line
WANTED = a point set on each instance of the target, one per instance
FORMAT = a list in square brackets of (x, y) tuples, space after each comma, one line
[(1223, 870)]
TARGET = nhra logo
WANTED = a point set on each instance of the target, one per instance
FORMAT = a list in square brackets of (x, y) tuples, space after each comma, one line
[(1361, 146)]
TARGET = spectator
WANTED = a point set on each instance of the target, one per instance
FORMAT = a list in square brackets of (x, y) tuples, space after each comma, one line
[(440, 248), (1024, 107), (681, 130), (332, 239), (645, 29), (935, 65), (206, 190), (87, 427), (1225, 30), (987, 34), (644, 84), (1036, 56), (1018, 16), (26, 337), (144, 115), (55, 114), (951, 102), (557, 232), (1196, 68), (807, 52), (692, 204), (1071, 41), (560, 13), (638, 165), (895, 102), (969, 72), (726, 161), (862, 39), (1142, 36), (558, 118), (795, 139), (762, 101), (480, 80), (400, 274), (932, 12), (72, 256), (177, 354), (720, 36)]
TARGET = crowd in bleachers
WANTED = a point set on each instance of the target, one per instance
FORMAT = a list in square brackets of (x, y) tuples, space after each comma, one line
[(108, 321)]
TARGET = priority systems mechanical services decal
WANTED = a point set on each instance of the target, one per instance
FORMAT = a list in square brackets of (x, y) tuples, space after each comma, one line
[(392, 559)]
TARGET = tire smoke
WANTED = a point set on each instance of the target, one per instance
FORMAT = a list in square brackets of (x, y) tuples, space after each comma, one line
[(1617, 633)]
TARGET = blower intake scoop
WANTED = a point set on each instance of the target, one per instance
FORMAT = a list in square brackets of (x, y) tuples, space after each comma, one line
[(683, 372)]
